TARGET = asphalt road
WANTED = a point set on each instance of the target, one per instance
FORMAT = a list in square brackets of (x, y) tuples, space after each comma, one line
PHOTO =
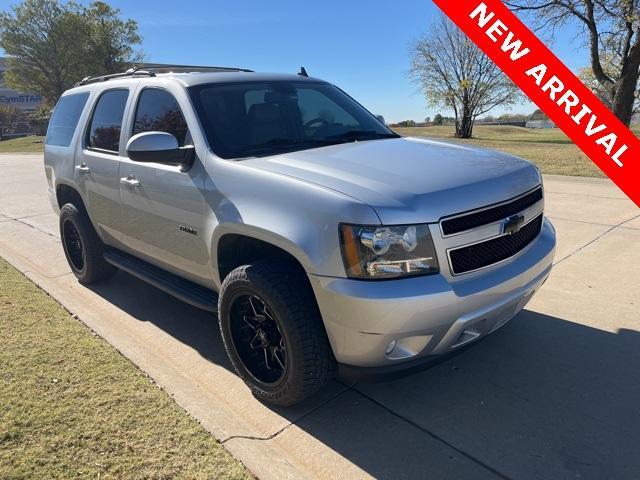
[(553, 394)]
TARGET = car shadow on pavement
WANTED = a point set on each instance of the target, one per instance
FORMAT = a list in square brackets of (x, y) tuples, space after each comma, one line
[(190, 325), (542, 397)]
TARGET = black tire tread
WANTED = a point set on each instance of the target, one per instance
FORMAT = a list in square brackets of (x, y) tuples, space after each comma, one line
[(96, 267), (288, 291)]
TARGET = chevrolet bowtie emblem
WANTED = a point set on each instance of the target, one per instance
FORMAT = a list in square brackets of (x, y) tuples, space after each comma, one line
[(512, 224)]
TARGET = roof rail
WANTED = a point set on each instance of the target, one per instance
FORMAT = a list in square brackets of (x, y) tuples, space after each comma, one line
[(168, 68), (150, 70), (103, 78)]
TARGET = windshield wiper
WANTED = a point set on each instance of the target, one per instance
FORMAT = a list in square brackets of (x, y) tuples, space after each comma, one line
[(355, 135), (280, 145)]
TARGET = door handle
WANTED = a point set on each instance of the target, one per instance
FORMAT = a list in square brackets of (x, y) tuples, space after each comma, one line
[(82, 168), (131, 180)]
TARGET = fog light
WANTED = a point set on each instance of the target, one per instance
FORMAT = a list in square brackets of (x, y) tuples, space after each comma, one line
[(390, 347), (407, 347)]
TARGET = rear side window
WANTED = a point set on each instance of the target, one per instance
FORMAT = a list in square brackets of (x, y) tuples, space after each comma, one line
[(158, 111), (106, 123), (65, 118)]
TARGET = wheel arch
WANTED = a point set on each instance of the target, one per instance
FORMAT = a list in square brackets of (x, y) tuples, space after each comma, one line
[(236, 248), (69, 193)]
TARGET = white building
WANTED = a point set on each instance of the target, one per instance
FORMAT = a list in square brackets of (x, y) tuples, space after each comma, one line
[(540, 124), (19, 100)]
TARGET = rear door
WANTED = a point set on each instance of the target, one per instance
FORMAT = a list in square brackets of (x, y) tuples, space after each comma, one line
[(96, 169), (163, 205)]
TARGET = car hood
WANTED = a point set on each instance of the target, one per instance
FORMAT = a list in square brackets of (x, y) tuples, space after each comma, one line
[(410, 180)]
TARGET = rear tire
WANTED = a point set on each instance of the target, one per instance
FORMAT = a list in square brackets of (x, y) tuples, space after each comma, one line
[(273, 332), (82, 246)]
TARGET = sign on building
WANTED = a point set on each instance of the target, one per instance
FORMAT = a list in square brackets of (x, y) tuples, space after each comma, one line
[(19, 100)]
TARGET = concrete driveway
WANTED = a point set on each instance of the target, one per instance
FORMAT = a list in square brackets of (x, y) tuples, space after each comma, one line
[(554, 394)]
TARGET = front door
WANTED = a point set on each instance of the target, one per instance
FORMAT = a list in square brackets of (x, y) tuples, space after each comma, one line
[(163, 207), (96, 169)]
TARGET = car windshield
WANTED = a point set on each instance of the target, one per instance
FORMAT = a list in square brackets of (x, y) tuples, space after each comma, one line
[(253, 119)]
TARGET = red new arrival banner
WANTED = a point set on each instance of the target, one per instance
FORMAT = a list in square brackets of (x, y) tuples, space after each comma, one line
[(552, 86)]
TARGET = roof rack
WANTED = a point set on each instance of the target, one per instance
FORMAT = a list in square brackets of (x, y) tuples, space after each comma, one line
[(150, 70), (168, 68), (103, 78)]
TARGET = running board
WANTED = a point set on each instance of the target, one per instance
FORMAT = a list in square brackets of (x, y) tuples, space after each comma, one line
[(185, 290)]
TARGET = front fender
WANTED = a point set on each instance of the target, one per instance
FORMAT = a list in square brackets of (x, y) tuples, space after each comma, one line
[(299, 217)]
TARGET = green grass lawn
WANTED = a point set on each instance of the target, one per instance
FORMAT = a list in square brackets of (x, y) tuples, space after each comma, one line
[(549, 149), (31, 144), (72, 407)]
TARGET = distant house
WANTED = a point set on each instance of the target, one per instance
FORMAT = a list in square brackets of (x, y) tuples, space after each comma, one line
[(540, 124), (20, 100), (509, 123)]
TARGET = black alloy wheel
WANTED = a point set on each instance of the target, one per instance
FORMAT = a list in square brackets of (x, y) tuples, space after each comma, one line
[(82, 246), (273, 332), (258, 340), (73, 243)]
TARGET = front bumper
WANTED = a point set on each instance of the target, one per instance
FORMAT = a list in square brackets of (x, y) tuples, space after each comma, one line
[(429, 315)]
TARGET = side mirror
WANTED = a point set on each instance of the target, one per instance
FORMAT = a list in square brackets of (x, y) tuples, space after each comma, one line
[(158, 147), (381, 119)]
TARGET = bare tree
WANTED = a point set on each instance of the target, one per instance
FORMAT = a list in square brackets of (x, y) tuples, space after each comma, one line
[(612, 31), (453, 72), (606, 95)]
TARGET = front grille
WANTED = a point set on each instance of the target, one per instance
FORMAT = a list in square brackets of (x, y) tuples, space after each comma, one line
[(473, 257), (492, 214)]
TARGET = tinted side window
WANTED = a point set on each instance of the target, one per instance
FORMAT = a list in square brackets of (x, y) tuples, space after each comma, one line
[(64, 120), (159, 111), (107, 120)]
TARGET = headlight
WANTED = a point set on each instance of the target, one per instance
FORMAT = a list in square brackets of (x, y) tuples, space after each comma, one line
[(373, 252)]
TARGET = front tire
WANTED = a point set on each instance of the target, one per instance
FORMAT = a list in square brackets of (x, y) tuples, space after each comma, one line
[(273, 332), (82, 246)]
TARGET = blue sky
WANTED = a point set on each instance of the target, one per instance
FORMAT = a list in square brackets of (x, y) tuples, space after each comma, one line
[(360, 46)]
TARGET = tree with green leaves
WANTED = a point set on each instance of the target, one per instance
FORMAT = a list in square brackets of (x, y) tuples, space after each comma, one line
[(39, 119), (538, 115), (52, 45), (454, 73), (8, 115)]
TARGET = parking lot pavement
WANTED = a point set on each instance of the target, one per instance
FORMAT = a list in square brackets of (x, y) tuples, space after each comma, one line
[(553, 394)]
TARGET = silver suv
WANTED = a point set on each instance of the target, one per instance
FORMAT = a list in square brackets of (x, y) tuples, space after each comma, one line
[(325, 242)]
